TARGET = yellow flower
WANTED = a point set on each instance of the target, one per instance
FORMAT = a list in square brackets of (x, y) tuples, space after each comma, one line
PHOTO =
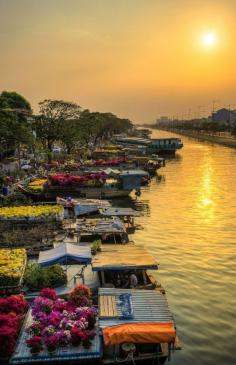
[(31, 211), (12, 263)]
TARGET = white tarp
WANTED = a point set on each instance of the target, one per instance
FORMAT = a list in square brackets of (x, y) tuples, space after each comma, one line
[(65, 253)]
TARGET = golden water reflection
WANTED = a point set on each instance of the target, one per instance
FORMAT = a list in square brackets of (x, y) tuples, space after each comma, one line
[(206, 204)]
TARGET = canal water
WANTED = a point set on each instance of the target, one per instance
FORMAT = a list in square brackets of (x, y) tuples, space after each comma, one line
[(189, 225)]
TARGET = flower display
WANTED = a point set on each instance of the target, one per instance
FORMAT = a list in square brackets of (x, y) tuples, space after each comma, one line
[(12, 310), (32, 212), (37, 185), (102, 162), (92, 179), (12, 264), (62, 322)]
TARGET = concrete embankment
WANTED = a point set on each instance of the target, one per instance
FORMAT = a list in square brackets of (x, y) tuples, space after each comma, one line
[(225, 141)]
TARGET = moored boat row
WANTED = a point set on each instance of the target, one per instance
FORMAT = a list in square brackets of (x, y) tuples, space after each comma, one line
[(90, 248)]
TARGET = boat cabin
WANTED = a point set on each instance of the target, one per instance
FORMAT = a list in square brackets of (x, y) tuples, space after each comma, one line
[(124, 267), (168, 145)]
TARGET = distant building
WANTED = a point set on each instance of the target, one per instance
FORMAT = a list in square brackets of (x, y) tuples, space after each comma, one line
[(224, 116), (163, 120)]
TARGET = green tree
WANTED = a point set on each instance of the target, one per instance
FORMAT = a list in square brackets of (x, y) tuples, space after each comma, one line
[(14, 101), (54, 123), (15, 129), (98, 126)]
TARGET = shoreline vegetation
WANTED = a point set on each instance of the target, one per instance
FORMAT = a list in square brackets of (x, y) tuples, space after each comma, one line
[(213, 138)]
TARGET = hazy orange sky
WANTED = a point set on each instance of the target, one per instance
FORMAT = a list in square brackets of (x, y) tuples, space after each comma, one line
[(136, 58)]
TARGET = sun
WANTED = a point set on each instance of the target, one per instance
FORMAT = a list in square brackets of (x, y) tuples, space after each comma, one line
[(208, 39)]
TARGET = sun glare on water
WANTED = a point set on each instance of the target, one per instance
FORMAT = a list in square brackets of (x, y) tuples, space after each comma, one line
[(208, 39)]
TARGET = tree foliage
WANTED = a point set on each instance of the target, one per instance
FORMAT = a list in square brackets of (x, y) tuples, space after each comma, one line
[(56, 122), (14, 127), (13, 100)]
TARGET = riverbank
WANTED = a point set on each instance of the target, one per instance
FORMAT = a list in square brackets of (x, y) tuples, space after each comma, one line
[(228, 142)]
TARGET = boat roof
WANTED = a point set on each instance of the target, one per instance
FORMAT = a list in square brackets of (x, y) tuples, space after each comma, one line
[(133, 139), (118, 257), (99, 226), (134, 173), (146, 306), (165, 139), (64, 252), (135, 316), (112, 211)]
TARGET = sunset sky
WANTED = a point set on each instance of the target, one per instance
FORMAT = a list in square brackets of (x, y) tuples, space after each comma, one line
[(136, 58)]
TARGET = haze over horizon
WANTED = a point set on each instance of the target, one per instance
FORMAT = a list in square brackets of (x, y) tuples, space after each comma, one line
[(135, 58)]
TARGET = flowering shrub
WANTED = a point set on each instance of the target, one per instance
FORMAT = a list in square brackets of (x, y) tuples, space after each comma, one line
[(12, 310), (36, 278), (12, 264), (60, 322)]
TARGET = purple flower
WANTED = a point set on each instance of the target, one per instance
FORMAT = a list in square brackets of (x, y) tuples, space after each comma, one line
[(54, 318)]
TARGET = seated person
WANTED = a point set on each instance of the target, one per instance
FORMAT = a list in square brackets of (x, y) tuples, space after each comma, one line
[(133, 280)]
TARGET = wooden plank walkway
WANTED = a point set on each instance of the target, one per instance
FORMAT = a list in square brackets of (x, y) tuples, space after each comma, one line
[(107, 306)]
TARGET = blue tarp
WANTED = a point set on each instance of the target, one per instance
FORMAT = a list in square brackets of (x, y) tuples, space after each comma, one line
[(65, 253)]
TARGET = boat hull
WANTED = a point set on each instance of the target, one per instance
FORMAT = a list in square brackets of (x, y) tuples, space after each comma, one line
[(89, 193)]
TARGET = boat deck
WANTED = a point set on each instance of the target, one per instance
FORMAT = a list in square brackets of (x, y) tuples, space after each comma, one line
[(22, 354)]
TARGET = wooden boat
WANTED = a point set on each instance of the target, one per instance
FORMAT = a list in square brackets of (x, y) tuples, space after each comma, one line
[(106, 230), (135, 316), (157, 145), (121, 186)]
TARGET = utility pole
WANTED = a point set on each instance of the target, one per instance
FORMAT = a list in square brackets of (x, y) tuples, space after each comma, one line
[(213, 110)]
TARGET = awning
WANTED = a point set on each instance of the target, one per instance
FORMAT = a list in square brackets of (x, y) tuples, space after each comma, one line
[(65, 253), (139, 333), (123, 257)]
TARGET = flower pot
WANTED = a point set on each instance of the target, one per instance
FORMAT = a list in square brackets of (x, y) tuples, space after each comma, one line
[(34, 352), (52, 351)]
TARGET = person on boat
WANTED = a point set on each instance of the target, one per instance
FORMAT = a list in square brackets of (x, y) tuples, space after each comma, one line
[(118, 281), (133, 280)]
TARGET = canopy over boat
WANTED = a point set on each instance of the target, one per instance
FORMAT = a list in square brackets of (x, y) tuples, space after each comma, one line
[(116, 257), (137, 316), (65, 253), (118, 212)]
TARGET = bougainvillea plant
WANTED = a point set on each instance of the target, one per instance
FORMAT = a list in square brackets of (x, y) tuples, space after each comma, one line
[(62, 322)]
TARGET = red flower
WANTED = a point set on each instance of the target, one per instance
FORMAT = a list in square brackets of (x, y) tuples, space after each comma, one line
[(76, 336), (35, 343), (7, 340)]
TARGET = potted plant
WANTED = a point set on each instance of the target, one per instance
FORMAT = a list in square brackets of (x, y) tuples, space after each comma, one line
[(52, 343), (35, 344), (76, 336), (87, 338)]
